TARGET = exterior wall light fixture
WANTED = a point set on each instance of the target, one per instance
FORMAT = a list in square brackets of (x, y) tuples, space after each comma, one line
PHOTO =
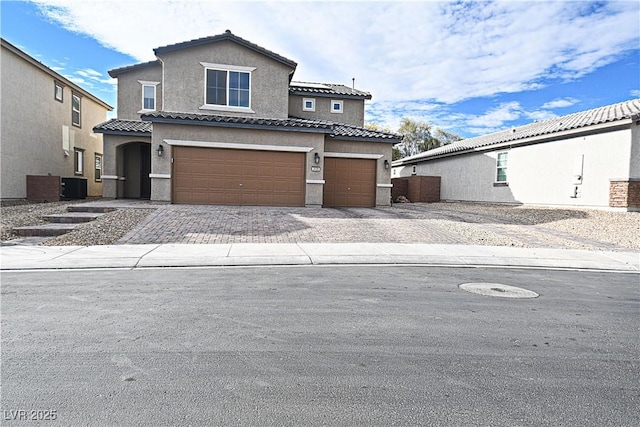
[(316, 158), (386, 164), (160, 150)]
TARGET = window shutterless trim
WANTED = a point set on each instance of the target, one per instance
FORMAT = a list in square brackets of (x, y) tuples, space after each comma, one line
[(304, 104), (75, 96), (336, 102), (78, 161), (226, 68), (56, 85), (145, 83), (97, 173)]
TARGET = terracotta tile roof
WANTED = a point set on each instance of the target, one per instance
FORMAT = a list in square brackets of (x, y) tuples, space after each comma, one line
[(227, 35), (124, 127), (327, 89), (541, 131)]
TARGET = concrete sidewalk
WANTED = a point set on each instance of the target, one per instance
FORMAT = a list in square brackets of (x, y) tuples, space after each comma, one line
[(252, 254)]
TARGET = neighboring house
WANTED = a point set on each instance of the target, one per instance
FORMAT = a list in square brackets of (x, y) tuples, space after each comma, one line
[(218, 120), (586, 159), (46, 126)]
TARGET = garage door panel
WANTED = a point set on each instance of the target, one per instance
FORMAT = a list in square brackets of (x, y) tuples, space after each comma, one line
[(238, 177), (349, 182)]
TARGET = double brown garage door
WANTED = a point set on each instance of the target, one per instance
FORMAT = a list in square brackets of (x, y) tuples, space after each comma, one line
[(221, 176), (238, 177)]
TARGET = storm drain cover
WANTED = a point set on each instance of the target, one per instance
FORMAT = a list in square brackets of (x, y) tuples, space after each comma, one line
[(498, 290)]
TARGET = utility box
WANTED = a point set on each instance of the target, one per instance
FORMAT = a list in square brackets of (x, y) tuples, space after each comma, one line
[(74, 188)]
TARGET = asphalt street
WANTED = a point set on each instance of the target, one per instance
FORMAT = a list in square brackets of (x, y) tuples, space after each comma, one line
[(319, 345)]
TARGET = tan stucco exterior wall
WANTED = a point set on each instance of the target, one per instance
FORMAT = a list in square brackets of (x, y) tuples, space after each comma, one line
[(184, 79), (541, 174), (130, 91), (34, 124), (352, 111)]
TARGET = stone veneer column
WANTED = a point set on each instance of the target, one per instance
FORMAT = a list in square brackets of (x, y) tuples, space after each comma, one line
[(624, 193)]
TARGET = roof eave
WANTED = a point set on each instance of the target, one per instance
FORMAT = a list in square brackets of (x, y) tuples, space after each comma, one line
[(122, 132), (190, 122), (364, 139)]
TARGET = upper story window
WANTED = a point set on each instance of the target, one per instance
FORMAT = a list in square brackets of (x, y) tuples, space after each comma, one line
[(501, 167), (227, 87), (336, 106), (148, 95), (58, 92), (75, 110), (308, 104)]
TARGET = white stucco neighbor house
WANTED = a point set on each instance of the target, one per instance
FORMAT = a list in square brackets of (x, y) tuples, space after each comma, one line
[(586, 159)]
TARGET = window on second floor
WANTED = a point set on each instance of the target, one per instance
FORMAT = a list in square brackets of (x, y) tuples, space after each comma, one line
[(308, 104), (58, 92), (75, 110), (148, 97), (227, 86), (336, 106)]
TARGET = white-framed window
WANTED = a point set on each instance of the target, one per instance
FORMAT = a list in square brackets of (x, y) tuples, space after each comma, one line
[(501, 167), (58, 92), (98, 167), (336, 106), (148, 95), (78, 161), (75, 110), (308, 104), (227, 87)]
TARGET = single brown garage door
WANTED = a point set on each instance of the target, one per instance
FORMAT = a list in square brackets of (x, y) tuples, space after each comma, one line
[(220, 176), (349, 182)]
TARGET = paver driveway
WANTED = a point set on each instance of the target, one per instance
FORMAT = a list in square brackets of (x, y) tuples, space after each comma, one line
[(402, 223)]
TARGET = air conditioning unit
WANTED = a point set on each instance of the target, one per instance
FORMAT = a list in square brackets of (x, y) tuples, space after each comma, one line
[(74, 188)]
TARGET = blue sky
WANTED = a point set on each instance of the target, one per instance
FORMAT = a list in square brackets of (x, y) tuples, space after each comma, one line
[(470, 68)]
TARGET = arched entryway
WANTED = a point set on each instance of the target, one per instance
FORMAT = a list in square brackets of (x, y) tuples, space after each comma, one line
[(134, 164)]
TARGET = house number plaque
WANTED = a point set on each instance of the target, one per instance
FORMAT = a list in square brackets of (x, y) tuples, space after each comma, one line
[(315, 168)]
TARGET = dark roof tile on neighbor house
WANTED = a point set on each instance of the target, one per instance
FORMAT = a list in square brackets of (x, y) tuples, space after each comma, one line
[(535, 132), (326, 90)]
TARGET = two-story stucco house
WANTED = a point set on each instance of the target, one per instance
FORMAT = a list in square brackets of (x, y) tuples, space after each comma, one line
[(586, 159), (46, 127), (218, 120)]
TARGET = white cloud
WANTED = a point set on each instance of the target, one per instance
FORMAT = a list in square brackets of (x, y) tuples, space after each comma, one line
[(440, 51), (559, 103), (635, 93), (414, 57)]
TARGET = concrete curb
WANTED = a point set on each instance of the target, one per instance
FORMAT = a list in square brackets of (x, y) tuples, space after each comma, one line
[(13, 258)]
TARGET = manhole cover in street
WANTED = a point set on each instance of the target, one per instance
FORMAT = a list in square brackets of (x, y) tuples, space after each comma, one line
[(498, 290)]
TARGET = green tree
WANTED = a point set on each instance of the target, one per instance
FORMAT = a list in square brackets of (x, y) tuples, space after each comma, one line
[(419, 136)]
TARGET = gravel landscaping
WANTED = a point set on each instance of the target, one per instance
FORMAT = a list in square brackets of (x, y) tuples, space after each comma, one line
[(446, 223)]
